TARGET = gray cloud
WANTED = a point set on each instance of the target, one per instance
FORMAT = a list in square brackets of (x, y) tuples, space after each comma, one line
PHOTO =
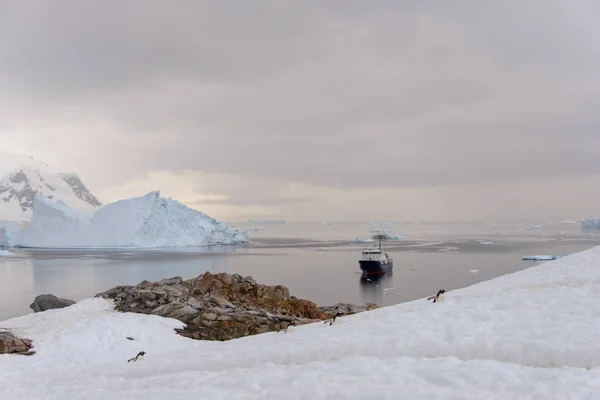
[(347, 94)]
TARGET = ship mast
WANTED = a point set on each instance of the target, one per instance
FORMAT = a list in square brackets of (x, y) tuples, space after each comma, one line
[(380, 237)]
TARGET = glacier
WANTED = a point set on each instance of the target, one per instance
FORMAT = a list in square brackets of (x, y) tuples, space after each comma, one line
[(148, 221), (532, 334)]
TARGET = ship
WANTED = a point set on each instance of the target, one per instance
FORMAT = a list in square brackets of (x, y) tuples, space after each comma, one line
[(375, 261)]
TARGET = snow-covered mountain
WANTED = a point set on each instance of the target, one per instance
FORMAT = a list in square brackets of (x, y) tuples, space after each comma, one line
[(23, 177)]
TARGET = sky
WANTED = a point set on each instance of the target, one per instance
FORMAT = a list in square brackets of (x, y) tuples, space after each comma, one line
[(313, 110)]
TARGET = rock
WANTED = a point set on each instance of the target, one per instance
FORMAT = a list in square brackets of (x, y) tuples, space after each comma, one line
[(210, 316), (45, 302), (197, 304), (171, 281), (346, 308), (158, 291), (166, 309), (249, 280), (145, 284), (176, 310), (183, 313), (221, 306), (145, 295), (10, 344), (225, 278), (221, 302), (151, 304)]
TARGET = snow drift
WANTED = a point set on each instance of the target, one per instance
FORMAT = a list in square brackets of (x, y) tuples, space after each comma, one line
[(528, 335), (146, 221)]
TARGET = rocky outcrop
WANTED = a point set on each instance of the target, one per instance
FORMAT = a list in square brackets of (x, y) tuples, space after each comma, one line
[(220, 306), (10, 344), (347, 309), (45, 302)]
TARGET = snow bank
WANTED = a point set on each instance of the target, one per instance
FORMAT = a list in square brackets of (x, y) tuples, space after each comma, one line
[(589, 224), (147, 221), (5, 253), (532, 334)]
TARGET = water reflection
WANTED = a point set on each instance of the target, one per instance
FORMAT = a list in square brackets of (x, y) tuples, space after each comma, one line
[(373, 288)]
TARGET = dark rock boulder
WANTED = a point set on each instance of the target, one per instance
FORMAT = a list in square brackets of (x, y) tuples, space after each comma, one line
[(45, 302)]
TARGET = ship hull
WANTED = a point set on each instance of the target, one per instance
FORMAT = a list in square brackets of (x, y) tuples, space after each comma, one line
[(372, 267)]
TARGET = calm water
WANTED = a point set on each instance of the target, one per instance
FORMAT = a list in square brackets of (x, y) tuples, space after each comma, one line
[(317, 262)]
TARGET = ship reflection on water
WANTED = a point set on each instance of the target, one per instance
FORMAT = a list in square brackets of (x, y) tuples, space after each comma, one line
[(374, 288)]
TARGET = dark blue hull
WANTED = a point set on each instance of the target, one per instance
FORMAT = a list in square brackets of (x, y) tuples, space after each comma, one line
[(375, 267)]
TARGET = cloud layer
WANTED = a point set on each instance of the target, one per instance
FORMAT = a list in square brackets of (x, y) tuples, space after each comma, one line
[(251, 101)]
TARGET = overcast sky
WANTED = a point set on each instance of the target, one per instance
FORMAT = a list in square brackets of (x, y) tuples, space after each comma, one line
[(313, 110)]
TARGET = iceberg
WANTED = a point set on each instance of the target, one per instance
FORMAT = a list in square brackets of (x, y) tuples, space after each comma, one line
[(143, 222), (568, 222), (526, 335), (590, 224), (386, 234), (363, 240), (5, 238), (9, 233)]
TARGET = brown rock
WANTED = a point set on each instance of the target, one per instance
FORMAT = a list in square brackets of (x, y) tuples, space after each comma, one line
[(221, 306), (171, 281), (210, 316), (10, 344)]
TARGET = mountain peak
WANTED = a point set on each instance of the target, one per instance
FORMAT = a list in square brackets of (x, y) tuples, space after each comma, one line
[(23, 177)]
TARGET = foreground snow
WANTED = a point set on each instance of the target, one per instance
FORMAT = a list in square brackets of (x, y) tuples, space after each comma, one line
[(147, 221), (530, 335)]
